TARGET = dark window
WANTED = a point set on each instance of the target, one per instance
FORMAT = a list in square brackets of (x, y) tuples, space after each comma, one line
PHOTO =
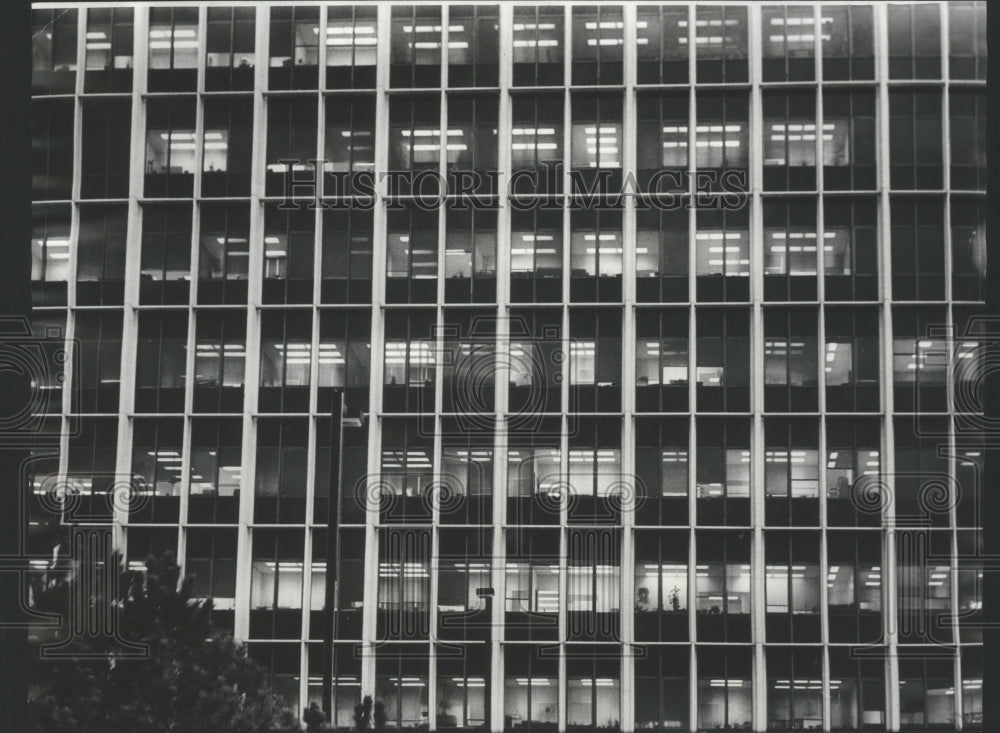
[(790, 360), (722, 588), (794, 688), (788, 38), (350, 144), (156, 470), (848, 42), (473, 49), (50, 253), (216, 472), (53, 45), (344, 357), (410, 361), (52, 148), (789, 141), (276, 581), (346, 265), (923, 473), (161, 365), (354, 497), (791, 472), (790, 257), (850, 249), (230, 49), (472, 143), (662, 143), (967, 53), (924, 589), (661, 586), (595, 360), (917, 248), (531, 687), (285, 356), (539, 33), (281, 666), (90, 470), (280, 486), (351, 46), (415, 143), (967, 118), (662, 44), (848, 140), (415, 52), (470, 255), (722, 374), (791, 586), (173, 49), (223, 253), (412, 255), (662, 468), (722, 253), (722, 139), (720, 39), (972, 687), (294, 48), (409, 491), (219, 361), (851, 360), (165, 260), (927, 693), (914, 41), (170, 147), (661, 255), (536, 145), (857, 690), (968, 248), (596, 144), (661, 360), (350, 558), (598, 37), (536, 361), (109, 50), (915, 144), (722, 474), (467, 475), (291, 146), (468, 362), (211, 559), (593, 689), (228, 143), (854, 587), (854, 493), (48, 329), (534, 477), (289, 253), (536, 259), (105, 159), (402, 681), (97, 381), (462, 673)]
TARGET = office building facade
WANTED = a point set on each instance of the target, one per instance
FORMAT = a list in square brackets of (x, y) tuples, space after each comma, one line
[(706, 455)]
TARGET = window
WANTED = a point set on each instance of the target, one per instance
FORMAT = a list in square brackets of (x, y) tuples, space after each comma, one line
[(848, 42), (53, 46), (285, 357), (105, 159), (48, 329), (927, 693), (415, 53), (536, 144), (211, 559), (534, 474), (173, 49), (722, 254), (794, 688), (914, 41), (219, 360), (52, 149), (661, 354), (98, 357), (161, 365), (533, 585), (661, 586), (467, 472), (280, 487), (596, 143), (461, 687), (346, 259), (857, 690), (662, 468), (593, 585), (469, 363), (720, 38), (789, 141), (790, 257), (470, 256), (404, 584), (853, 484), (276, 584), (536, 259), (414, 138), (722, 136), (230, 49), (598, 37), (722, 372), (662, 44), (289, 247), (472, 121), (924, 582), (344, 357), (50, 253), (791, 352), (915, 158), (412, 255), (109, 50), (967, 53), (216, 470), (595, 248), (791, 472), (90, 469), (291, 146), (923, 472), (353, 490), (725, 687), (850, 249), (473, 49), (350, 145), (350, 558), (661, 255), (401, 680), (791, 586), (917, 248), (281, 665), (968, 248), (538, 45), (967, 118), (972, 688), (848, 140), (407, 472), (156, 470), (662, 687), (663, 143), (531, 686), (170, 147), (789, 41), (595, 355), (410, 361), (165, 261), (854, 586), (851, 360), (223, 253), (351, 47), (294, 48), (595, 471), (228, 146), (722, 474), (593, 691)]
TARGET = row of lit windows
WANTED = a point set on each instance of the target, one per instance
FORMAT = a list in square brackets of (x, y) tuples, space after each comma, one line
[(346, 48)]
